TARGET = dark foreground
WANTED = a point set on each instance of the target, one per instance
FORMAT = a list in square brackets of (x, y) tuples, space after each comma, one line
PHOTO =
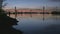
[(6, 23)]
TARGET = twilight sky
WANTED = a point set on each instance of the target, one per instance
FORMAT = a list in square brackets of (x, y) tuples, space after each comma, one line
[(31, 3)]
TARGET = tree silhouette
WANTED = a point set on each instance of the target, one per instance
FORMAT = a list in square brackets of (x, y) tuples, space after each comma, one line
[(6, 22), (1, 5), (1, 2)]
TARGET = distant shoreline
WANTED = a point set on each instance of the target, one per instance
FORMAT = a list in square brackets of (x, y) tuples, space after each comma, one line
[(28, 13)]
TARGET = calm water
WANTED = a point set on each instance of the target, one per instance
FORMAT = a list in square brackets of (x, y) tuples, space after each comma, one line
[(35, 23)]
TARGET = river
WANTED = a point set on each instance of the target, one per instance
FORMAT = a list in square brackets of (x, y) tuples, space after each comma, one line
[(34, 23)]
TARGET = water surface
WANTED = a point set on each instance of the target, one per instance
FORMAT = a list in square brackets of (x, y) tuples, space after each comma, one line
[(33, 24)]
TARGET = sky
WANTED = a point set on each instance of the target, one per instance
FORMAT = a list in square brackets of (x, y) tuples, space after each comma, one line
[(31, 3)]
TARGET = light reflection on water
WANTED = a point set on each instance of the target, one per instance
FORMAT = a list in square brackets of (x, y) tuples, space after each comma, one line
[(33, 25)]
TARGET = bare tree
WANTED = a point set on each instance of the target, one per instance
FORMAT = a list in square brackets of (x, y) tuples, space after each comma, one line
[(1, 3)]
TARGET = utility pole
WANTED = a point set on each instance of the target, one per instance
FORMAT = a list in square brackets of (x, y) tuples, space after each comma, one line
[(43, 12), (9, 13), (21, 12), (56, 13), (15, 12), (31, 13)]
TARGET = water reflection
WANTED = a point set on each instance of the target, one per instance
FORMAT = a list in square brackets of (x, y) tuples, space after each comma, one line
[(34, 24)]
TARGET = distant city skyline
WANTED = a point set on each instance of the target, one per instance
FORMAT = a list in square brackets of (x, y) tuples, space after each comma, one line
[(31, 3)]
